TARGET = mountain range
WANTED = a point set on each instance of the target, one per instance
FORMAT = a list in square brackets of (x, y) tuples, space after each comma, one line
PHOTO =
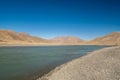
[(110, 39), (12, 37), (9, 37)]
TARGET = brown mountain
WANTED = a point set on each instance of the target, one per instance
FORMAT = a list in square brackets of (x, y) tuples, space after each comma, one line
[(68, 40), (11, 37), (111, 39)]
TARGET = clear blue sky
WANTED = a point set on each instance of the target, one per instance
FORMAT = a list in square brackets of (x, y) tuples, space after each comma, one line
[(86, 19)]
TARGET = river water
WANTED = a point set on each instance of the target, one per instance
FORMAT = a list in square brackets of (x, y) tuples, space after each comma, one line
[(29, 63)]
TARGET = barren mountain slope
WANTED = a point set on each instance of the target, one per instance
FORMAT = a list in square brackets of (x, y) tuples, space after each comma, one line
[(8, 36), (111, 39)]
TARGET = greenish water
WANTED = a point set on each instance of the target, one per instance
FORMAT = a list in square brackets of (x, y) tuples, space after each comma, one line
[(29, 63)]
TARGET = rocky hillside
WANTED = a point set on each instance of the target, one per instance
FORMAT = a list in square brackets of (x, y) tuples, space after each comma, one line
[(111, 39), (11, 37), (68, 40)]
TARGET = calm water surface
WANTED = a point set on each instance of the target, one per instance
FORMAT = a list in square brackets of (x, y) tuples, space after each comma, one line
[(29, 63)]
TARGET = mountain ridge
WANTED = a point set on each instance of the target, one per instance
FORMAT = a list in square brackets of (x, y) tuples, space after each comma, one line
[(12, 37), (110, 39), (68, 39)]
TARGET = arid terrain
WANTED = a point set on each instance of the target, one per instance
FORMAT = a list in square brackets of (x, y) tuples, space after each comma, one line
[(67, 40), (111, 39), (9, 37), (101, 64)]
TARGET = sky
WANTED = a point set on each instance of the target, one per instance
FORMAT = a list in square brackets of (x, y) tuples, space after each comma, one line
[(86, 19)]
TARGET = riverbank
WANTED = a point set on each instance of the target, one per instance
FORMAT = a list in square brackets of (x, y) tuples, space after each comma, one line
[(32, 62), (101, 64)]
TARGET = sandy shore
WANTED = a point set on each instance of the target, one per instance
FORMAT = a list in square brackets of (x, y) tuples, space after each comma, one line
[(101, 64)]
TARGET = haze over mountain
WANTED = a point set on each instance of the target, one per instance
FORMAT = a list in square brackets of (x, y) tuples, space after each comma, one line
[(16, 38)]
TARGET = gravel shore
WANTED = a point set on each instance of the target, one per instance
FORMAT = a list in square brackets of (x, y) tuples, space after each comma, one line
[(101, 64)]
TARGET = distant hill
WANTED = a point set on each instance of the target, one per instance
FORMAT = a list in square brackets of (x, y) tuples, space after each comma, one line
[(111, 39), (68, 40), (12, 37)]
